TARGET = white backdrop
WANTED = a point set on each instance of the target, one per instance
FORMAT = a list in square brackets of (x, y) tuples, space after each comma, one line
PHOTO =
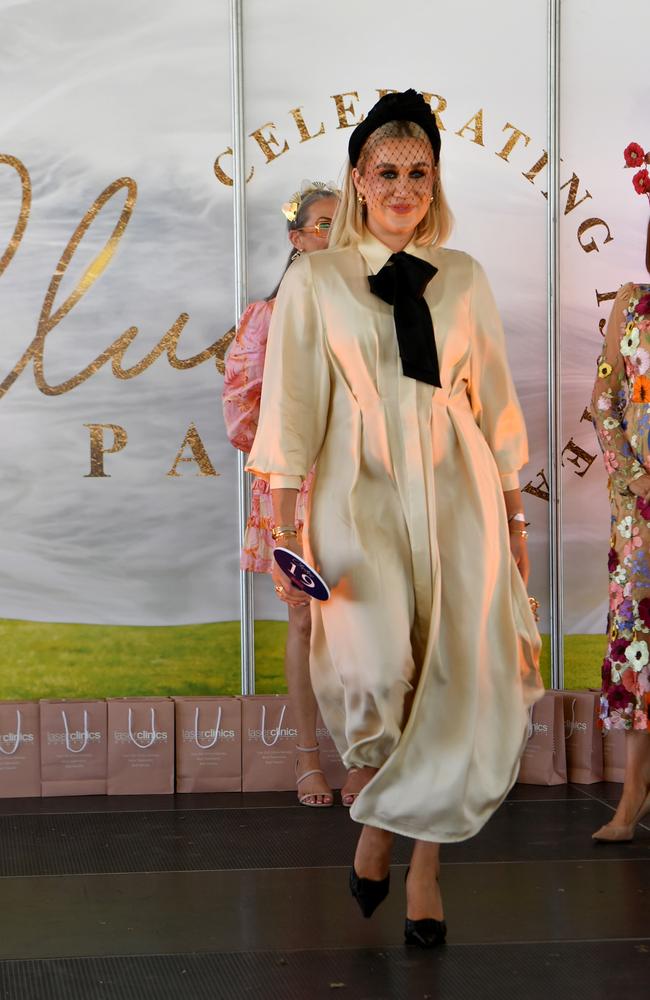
[(90, 93)]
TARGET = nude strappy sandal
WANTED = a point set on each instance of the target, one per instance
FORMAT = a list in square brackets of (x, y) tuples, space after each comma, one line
[(304, 799)]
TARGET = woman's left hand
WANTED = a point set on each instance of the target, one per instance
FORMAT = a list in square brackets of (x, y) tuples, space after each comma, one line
[(519, 549)]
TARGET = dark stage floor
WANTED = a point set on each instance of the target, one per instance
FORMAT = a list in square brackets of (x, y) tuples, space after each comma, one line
[(200, 897)]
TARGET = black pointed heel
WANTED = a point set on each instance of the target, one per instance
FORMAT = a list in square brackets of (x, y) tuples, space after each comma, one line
[(368, 892), (427, 933)]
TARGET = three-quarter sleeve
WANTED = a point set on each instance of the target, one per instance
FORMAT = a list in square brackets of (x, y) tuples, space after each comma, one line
[(491, 390), (296, 384), (610, 398), (242, 387)]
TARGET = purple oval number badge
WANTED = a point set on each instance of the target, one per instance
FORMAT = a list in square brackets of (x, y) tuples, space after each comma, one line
[(301, 574)]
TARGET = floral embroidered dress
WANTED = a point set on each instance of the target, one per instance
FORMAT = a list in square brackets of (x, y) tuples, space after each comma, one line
[(242, 390), (621, 412)]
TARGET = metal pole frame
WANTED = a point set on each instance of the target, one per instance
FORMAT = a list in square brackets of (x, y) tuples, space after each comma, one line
[(246, 597), (556, 592)]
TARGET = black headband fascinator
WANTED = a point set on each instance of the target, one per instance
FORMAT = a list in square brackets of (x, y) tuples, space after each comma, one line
[(407, 106)]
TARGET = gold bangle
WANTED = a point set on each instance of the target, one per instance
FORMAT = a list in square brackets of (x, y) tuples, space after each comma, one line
[(284, 529), (523, 533)]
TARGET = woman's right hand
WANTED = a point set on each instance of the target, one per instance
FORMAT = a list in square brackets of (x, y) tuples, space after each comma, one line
[(641, 486), (284, 588)]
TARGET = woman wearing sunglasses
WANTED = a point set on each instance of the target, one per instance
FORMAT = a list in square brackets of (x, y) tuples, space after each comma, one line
[(309, 215)]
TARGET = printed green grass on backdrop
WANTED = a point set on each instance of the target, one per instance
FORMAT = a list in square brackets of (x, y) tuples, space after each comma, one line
[(43, 660)]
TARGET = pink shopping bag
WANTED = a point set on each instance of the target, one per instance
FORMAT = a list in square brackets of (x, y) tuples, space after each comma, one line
[(543, 761), (73, 747), (268, 743), (140, 746), (20, 751), (583, 738), (208, 744)]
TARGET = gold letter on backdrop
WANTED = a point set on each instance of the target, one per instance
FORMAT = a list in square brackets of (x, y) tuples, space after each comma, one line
[(343, 110), (439, 108), (97, 449), (221, 174), (592, 245), (266, 141), (579, 455), (305, 134), (512, 141), (536, 168), (573, 185), (49, 319), (475, 125), (540, 489), (23, 214), (192, 440)]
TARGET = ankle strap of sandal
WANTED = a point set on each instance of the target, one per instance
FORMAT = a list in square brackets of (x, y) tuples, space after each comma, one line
[(308, 774), (307, 749)]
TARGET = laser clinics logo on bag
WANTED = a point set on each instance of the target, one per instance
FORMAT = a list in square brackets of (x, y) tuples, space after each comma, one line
[(120, 736), (272, 734), (13, 738), (77, 736), (190, 735), (570, 727)]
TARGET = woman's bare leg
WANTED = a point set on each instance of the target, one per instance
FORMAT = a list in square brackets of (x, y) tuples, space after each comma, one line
[(372, 856), (637, 778), (303, 704), (423, 898)]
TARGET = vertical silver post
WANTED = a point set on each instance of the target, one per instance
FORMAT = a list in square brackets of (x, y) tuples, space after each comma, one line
[(554, 357), (246, 605)]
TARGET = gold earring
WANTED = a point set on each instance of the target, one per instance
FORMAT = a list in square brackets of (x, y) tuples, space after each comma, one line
[(361, 200)]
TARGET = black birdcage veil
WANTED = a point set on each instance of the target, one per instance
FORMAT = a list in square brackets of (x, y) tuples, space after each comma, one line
[(397, 177)]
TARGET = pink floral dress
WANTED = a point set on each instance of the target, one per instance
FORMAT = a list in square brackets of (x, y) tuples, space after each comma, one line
[(621, 412), (242, 390)]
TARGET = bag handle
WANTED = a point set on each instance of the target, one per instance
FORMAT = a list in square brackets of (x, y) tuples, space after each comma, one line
[(206, 746), (10, 753), (573, 721), (277, 732), (143, 746), (68, 746)]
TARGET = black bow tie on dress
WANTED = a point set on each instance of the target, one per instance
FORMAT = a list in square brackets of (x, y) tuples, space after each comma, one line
[(402, 282)]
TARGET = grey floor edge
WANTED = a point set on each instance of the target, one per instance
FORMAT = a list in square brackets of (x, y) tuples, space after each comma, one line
[(505, 972)]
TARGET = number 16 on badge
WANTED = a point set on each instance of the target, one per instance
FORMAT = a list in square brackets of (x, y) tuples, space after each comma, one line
[(302, 575)]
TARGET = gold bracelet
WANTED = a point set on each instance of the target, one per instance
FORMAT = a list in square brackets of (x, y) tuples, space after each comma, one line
[(523, 533), (284, 529)]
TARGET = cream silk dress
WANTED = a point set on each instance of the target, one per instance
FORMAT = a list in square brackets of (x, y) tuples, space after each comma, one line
[(425, 659)]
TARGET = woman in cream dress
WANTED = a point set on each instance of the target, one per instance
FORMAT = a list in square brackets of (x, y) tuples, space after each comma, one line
[(425, 659)]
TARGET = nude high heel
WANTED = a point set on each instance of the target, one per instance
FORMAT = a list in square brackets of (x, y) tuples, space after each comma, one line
[(610, 833)]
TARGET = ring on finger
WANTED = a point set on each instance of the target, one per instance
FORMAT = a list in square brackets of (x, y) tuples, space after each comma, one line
[(279, 589)]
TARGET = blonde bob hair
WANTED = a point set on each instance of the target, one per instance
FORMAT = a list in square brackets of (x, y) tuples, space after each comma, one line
[(349, 222)]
